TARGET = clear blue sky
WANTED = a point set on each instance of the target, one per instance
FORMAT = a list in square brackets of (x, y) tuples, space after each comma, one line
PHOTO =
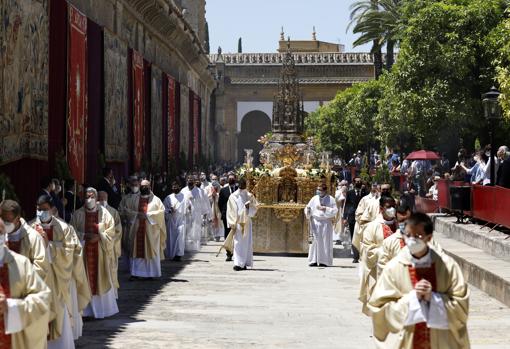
[(259, 23)]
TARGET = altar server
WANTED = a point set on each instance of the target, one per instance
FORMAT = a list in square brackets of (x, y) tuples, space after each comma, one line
[(241, 208), (321, 212), (195, 216), (177, 206)]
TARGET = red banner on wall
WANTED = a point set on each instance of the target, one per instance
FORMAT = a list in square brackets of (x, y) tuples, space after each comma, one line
[(138, 110), (172, 126), (77, 94), (196, 126)]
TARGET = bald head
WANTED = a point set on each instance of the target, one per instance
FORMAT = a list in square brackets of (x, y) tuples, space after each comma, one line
[(145, 183)]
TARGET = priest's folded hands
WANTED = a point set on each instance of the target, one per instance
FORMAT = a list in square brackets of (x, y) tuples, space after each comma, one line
[(423, 290)]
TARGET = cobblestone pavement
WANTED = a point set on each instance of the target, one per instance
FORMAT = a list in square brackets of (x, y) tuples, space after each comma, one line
[(281, 303)]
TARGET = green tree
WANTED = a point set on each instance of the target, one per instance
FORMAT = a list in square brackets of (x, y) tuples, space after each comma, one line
[(358, 17), (432, 96), (207, 46), (240, 45), (347, 122), (377, 21)]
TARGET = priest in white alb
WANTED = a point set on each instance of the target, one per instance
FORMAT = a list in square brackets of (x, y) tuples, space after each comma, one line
[(24, 301), (176, 208), (195, 216), (96, 230), (321, 212), (421, 299), (147, 236), (241, 208)]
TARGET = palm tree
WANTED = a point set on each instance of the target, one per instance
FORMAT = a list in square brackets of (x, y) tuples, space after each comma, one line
[(378, 22)]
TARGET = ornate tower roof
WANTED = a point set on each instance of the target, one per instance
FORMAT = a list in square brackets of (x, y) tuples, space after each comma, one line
[(288, 107)]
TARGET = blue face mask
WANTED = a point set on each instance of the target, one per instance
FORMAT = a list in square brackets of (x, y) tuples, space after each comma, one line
[(44, 216), (318, 192)]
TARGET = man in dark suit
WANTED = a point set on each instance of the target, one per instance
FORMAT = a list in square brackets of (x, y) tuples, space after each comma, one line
[(345, 174), (225, 193), (352, 200), (49, 187), (503, 175), (107, 184)]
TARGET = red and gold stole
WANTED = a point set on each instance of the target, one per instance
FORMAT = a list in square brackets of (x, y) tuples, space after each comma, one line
[(49, 232), (387, 231), (5, 339), (142, 229), (14, 246), (92, 249), (421, 338)]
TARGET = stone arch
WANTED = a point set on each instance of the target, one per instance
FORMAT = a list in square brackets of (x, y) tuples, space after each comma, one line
[(254, 124)]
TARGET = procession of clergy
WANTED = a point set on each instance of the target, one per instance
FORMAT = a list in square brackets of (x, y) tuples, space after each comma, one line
[(53, 273)]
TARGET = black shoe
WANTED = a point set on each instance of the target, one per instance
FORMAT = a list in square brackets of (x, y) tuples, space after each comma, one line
[(133, 278), (355, 260), (217, 239), (323, 265), (245, 268), (177, 259), (237, 268), (229, 259), (312, 264)]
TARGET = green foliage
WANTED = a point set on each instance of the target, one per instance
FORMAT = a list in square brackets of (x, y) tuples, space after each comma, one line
[(451, 52), (500, 43), (62, 167), (433, 93), (347, 122), (207, 46), (365, 174), (382, 174)]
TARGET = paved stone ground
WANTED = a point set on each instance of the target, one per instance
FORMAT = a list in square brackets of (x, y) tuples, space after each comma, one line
[(281, 303)]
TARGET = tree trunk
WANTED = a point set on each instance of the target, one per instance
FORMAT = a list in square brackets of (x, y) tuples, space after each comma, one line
[(390, 54), (378, 63)]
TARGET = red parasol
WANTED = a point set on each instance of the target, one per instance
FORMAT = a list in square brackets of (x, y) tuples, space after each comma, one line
[(423, 155)]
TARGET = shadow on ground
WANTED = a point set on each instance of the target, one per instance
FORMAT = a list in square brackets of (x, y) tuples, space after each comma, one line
[(133, 298)]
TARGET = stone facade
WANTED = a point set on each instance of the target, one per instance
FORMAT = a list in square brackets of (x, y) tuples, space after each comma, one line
[(248, 81), (32, 84)]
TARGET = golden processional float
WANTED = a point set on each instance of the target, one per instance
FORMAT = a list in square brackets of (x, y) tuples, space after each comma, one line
[(289, 175)]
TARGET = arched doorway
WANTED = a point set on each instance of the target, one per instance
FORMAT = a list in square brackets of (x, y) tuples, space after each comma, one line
[(253, 125)]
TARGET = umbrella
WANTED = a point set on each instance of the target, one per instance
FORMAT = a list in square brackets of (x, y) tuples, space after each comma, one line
[(423, 155)]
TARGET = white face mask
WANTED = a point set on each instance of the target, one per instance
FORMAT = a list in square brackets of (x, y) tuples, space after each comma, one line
[(44, 216), (135, 190), (103, 203), (390, 212), (415, 245), (402, 226), (90, 203), (9, 227)]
